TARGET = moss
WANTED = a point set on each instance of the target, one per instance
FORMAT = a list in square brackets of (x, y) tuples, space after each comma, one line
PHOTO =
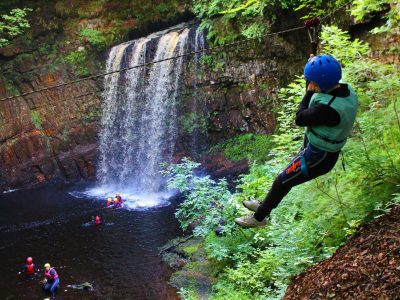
[(246, 146), (191, 249), (189, 293), (25, 58), (192, 122), (36, 119), (91, 10), (92, 115), (10, 85), (65, 135)]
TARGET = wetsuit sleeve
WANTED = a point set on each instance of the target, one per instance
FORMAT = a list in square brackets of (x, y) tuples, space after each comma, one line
[(320, 114), (52, 272)]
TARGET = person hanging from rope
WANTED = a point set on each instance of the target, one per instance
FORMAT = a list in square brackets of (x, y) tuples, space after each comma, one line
[(328, 111)]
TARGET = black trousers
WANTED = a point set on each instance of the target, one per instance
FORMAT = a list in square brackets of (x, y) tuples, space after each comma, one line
[(309, 163)]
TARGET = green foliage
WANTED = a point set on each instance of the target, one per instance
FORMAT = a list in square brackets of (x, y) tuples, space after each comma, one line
[(315, 218), (228, 20), (78, 59), (98, 39), (13, 25), (36, 119), (363, 8), (194, 122), (188, 294), (149, 11), (318, 7), (63, 9), (251, 146), (205, 198), (288, 138), (215, 62), (239, 18), (332, 37)]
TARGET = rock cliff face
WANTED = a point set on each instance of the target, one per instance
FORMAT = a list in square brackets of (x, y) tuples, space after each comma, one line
[(50, 135), (53, 135)]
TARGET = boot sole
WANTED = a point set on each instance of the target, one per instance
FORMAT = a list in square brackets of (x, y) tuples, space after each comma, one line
[(245, 225), (249, 208)]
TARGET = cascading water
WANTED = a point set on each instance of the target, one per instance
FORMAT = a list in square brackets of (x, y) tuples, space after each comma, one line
[(139, 123)]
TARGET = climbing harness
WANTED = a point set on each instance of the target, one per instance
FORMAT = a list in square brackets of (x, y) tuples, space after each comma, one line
[(313, 29), (303, 167)]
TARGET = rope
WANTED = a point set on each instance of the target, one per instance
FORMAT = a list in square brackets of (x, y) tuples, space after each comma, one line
[(210, 49)]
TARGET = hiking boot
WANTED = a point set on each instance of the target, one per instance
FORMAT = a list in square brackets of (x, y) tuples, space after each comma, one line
[(250, 222), (251, 205)]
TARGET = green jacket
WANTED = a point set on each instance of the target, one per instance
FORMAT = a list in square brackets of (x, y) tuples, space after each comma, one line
[(333, 138)]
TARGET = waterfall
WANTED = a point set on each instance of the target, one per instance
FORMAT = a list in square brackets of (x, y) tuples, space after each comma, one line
[(139, 125)]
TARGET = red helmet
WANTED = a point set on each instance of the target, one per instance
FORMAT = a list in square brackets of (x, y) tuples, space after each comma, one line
[(29, 260)]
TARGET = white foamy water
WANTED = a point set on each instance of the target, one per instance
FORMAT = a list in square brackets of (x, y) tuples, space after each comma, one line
[(139, 125), (131, 200)]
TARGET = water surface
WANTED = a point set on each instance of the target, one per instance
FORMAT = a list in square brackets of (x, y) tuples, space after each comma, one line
[(120, 258)]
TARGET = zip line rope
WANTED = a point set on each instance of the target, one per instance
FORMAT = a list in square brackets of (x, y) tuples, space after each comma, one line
[(203, 50), (149, 63)]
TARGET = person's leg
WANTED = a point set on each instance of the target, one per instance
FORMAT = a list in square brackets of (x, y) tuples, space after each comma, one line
[(318, 162), (54, 287), (47, 286)]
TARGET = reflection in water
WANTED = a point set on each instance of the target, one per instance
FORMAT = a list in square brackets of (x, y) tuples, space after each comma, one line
[(119, 259)]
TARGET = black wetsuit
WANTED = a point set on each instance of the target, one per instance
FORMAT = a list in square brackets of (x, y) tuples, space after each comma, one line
[(318, 162)]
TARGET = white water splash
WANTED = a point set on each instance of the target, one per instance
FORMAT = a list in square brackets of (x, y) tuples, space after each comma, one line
[(139, 122), (131, 200)]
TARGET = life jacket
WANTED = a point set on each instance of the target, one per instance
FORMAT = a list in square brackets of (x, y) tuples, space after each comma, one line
[(333, 138), (30, 269), (48, 275), (119, 199), (109, 203), (98, 220)]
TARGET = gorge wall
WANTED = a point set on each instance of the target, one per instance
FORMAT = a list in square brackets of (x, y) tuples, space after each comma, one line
[(53, 135)]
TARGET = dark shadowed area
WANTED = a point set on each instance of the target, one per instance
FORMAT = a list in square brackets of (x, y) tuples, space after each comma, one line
[(119, 258)]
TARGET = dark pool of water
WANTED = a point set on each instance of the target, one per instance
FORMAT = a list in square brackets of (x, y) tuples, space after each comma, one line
[(120, 259)]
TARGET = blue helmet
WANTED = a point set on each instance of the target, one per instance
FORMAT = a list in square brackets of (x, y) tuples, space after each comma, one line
[(324, 70)]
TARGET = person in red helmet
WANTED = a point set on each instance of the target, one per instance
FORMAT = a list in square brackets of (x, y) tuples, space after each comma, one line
[(97, 220), (29, 269)]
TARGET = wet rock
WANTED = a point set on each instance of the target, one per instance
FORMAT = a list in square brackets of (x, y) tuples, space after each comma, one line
[(195, 272), (11, 50), (219, 167)]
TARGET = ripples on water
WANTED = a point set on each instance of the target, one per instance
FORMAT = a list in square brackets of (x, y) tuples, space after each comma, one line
[(120, 258)]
